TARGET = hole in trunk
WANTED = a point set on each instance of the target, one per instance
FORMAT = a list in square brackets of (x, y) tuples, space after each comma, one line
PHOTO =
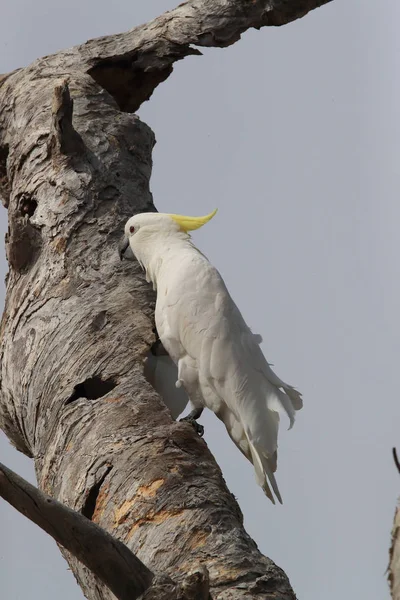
[(4, 183), (92, 389), (90, 503), (27, 205)]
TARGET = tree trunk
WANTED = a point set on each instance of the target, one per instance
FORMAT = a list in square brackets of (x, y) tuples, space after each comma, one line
[(394, 558), (394, 552), (78, 323)]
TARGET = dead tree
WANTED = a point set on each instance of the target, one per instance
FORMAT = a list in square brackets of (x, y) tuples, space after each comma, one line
[(75, 164)]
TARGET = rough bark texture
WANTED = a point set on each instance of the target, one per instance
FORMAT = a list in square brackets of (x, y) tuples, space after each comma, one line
[(394, 558), (78, 323), (108, 558), (394, 552)]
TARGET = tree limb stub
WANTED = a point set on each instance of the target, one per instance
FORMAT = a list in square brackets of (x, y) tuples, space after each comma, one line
[(64, 138), (124, 574)]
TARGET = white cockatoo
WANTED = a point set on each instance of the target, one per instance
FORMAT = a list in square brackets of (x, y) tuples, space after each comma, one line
[(219, 360)]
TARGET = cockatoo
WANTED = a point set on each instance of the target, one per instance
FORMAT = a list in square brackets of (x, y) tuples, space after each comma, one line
[(219, 360), (162, 373)]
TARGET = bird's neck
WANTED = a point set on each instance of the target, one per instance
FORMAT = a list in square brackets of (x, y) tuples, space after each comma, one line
[(156, 255)]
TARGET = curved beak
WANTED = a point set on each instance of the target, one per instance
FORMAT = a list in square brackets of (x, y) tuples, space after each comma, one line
[(122, 246)]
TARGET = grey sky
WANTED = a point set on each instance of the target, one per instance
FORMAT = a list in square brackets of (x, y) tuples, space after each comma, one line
[(293, 133)]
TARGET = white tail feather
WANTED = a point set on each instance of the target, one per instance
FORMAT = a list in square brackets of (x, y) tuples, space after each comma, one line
[(263, 471)]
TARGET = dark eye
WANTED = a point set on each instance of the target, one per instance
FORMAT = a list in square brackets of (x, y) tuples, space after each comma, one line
[(132, 229)]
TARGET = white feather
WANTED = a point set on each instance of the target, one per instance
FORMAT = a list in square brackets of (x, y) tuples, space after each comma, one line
[(219, 359)]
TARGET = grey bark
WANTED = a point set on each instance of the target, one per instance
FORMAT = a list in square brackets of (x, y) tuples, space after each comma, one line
[(394, 558), (106, 557), (124, 574), (75, 164)]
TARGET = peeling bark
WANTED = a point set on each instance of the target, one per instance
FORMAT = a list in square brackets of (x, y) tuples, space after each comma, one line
[(74, 166)]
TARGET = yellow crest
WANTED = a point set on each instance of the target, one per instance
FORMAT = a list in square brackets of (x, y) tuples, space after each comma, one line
[(190, 223)]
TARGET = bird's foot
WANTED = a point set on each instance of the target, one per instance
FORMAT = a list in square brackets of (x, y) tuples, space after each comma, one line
[(199, 429)]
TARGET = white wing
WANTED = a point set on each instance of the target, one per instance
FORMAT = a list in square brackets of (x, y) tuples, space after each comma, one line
[(235, 379), (162, 373)]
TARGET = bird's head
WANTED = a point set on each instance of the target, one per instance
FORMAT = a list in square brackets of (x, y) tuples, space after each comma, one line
[(146, 229)]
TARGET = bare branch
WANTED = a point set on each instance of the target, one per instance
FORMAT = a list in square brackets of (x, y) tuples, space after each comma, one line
[(122, 572), (109, 559), (131, 65), (396, 460)]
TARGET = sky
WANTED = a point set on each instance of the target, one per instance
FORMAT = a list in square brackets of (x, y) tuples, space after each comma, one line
[(293, 133)]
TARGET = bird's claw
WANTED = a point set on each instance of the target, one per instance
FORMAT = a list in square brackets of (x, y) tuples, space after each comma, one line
[(199, 429)]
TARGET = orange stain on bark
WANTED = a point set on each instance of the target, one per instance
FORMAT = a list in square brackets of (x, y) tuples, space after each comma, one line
[(149, 491), (60, 244), (144, 492), (198, 540), (101, 503), (112, 400), (153, 518)]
